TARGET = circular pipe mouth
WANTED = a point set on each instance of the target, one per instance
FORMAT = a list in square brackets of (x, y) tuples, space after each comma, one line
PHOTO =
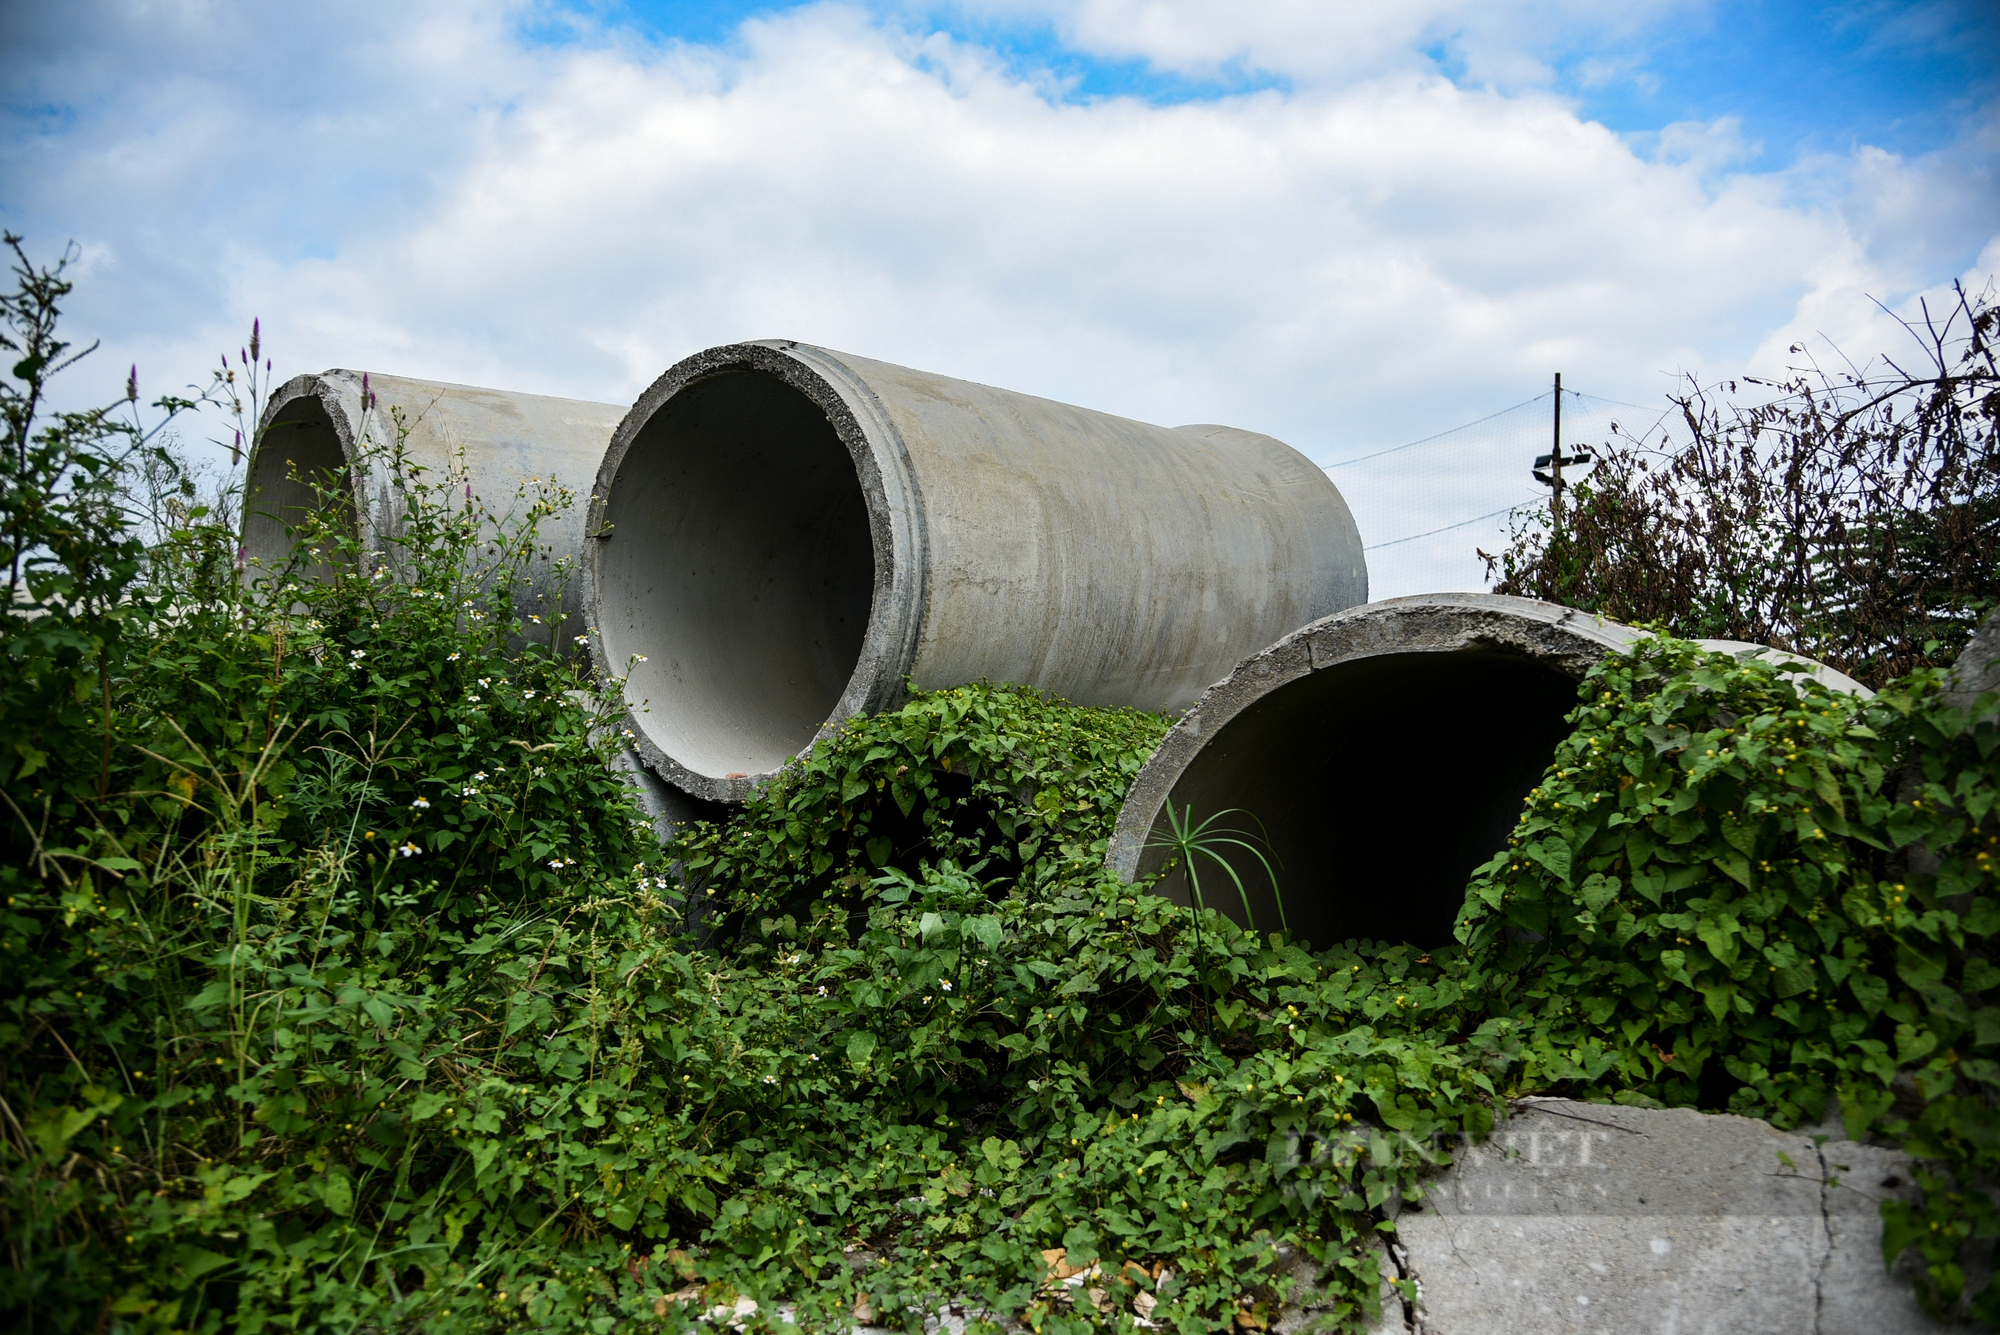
[(300, 460), (1374, 758), (742, 553)]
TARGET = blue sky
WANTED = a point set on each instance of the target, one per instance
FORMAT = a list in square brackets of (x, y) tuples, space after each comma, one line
[(1801, 77), (1348, 225)]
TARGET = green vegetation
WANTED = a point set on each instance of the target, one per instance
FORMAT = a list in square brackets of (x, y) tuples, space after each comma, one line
[(341, 987)]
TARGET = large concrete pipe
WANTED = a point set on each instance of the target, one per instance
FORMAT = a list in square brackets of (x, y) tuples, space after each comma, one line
[(317, 428), (1383, 753), (783, 534)]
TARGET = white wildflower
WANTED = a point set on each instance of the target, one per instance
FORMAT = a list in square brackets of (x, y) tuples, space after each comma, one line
[(422, 804), (409, 850)]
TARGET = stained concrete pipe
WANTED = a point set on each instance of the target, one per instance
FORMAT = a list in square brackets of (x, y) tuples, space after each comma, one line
[(783, 534), (501, 442), (1383, 752)]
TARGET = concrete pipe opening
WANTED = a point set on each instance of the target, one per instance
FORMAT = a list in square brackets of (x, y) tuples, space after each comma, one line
[(298, 469), (784, 535), (748, 572)]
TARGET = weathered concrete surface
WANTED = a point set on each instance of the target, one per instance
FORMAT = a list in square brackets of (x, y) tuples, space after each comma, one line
[(500, 442), (790, 532), (1577, 1217), (1379, 754), (1977, 670)]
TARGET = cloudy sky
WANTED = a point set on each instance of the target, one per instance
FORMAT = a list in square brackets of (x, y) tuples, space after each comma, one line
[(1349, 225)]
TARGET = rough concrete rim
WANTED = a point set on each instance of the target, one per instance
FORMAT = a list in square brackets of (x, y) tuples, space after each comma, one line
[(338, 393), (895, 521), (1560, 637)]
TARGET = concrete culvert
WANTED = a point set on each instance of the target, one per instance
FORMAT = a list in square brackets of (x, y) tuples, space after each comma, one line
[(317, 428), (1379, 755), (784, 534)]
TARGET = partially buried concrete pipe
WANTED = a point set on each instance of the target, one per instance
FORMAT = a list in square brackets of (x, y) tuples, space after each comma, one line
[(318, 429), (1381, 754), (783, 534)]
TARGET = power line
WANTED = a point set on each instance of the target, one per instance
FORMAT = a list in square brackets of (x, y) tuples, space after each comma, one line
[(1423, 506), (1490, 417), (1449, 527)]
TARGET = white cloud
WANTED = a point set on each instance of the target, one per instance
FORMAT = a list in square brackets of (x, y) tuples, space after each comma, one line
[(1353, 262), (1499, 44)]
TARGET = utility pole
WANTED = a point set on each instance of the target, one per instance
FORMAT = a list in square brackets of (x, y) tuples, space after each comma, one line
[(1549, 467)]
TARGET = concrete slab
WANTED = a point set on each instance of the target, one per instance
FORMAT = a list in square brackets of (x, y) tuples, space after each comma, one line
[(1586, 1219)]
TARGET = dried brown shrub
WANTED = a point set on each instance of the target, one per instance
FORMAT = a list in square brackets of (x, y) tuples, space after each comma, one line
[(1853, 517)]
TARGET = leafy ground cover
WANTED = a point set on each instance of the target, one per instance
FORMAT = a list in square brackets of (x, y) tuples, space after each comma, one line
[(341, 987)]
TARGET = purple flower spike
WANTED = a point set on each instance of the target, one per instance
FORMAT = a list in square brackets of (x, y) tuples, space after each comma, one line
[(468, 491), (367, 399), (256, 328), (132, 384)]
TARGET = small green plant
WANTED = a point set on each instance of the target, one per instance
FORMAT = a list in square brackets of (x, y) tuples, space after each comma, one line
[(1189, 844)]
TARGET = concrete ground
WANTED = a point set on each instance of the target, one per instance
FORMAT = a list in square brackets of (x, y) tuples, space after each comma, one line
[(1594, 1220)]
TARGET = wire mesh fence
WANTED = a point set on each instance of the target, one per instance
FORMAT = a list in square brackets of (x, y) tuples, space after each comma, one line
[(1426, 508)]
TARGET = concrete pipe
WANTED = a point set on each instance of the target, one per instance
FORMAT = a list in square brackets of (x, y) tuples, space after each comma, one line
[(1385, 751), (501, 442), (783, 534)]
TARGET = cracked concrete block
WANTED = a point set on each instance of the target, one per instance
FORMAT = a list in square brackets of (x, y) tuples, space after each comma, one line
[(1586, 1219)]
